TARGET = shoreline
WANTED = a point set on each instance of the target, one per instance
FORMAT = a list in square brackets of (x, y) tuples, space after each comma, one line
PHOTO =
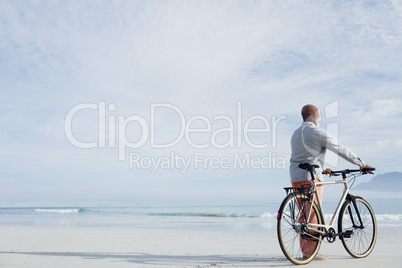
[(58, 246)]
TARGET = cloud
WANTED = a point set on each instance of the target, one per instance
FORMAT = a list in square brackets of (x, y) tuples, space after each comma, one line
[(386, 108), (202, 57)]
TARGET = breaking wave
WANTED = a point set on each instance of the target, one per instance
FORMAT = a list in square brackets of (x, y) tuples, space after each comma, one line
[(59, 210)]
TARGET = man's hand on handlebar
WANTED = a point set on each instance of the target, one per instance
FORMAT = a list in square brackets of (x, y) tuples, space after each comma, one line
[(328, 171), (366, 167)]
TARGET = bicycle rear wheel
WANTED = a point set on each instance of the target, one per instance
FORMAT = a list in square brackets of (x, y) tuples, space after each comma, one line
[(358, 237), (298, 245)]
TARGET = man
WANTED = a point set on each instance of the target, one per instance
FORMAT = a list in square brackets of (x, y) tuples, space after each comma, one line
[(309, 144)]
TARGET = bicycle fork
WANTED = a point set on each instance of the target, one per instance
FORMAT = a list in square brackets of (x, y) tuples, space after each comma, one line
[(357, 212)]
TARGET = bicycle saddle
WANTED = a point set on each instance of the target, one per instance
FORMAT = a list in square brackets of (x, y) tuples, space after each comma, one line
[(308, 166)]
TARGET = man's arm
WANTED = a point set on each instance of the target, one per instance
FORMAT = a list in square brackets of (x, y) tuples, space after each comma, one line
[(331, 144)]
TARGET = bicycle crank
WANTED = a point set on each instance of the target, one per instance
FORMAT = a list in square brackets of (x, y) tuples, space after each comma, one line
[(331, 235)]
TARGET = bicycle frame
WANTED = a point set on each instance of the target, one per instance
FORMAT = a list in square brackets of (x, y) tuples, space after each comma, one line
[(346, 192)]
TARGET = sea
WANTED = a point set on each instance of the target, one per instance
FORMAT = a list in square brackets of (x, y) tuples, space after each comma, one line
[(250, 218)]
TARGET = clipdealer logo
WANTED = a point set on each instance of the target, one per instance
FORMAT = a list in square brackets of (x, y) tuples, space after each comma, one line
[(222, 132)]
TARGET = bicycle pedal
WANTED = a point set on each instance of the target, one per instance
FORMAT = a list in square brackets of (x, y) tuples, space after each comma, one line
[(348, 234)]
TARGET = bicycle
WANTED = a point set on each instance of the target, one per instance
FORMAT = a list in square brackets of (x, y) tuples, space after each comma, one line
[(301, 224)]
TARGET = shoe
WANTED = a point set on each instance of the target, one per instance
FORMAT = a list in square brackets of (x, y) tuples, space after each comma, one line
[(320, 257)]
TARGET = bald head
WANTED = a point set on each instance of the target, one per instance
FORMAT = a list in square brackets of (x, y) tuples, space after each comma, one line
[(309, 113)]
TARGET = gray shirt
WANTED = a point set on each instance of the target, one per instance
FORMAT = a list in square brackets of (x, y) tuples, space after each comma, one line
[(309, 144)]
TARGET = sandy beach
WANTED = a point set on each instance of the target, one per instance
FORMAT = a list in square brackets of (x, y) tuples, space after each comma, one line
[(39, 246)]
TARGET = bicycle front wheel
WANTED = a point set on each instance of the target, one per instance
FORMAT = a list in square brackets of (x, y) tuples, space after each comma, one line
[(298, 245), (358, 227)]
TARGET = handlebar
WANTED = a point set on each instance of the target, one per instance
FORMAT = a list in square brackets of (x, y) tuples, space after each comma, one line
[(347, 171), (310, 167)]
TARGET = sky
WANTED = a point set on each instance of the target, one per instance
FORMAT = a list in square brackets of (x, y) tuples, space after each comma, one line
[(104, 102)]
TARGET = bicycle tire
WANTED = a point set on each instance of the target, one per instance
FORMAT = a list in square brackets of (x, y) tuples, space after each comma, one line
[(358, 241), (291, 240)]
